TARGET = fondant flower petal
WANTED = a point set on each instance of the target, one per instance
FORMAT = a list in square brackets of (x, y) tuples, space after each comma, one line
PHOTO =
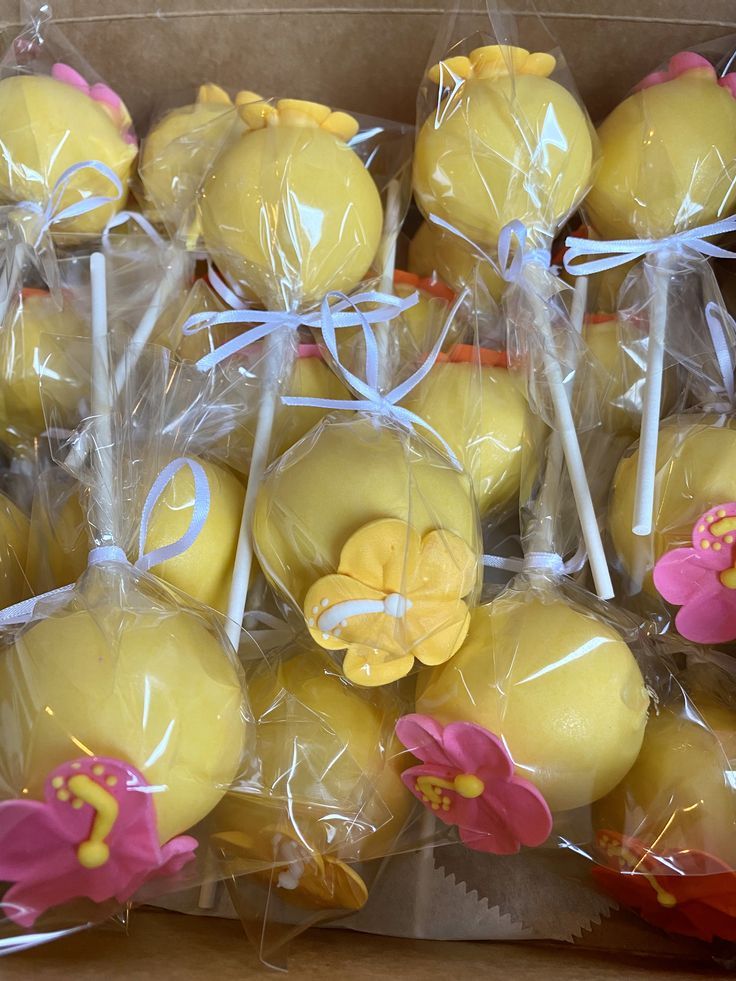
[(437, 629), (69, 76), (473, 749), (710, 617), (423, 737), (340, 611), (370, 668), (382, 554), (524, 810), (447, 568), (497, 842), (680, 576)]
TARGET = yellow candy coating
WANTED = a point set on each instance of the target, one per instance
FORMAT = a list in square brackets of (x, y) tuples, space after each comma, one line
[(435, 252), (58, 541), (678, 794), (154, 689), (14, 527), (667, 159), (205, 569), (488, 156), (291, 211), (179, 148), (47, 126), (482, 413), (618, 346), (345, 475), (696, 470), (561, 689), (24, 351), (332, 775)]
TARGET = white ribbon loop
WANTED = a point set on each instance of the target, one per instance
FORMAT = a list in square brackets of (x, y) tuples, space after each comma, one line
[(371, 399), (122, 218), (347, 312), (620, 251), (103, 554), (52, 214), (720, 325), (513, 261)]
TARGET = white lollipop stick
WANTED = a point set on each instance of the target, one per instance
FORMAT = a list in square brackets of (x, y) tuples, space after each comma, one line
[(388, 266), (649, 435), (278, 355), (565, 427), (102, 399)]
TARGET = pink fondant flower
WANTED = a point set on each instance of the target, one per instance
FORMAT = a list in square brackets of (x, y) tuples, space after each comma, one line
[(467, 778), (701, 579), (109, 100), (94, 836), (681, 64)]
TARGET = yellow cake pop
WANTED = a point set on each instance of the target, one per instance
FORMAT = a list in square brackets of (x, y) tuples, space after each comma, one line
[(435, 252), (13, 547), (618, 346), (58, 538), (506, 143), (153, 688), (177, 151), (559, 687), (343, 801), (694, 472), (482, 412), (24, 350), (204, 570), (289, 208), (668, 154), (365, 525), (50, 123), (677, 796)]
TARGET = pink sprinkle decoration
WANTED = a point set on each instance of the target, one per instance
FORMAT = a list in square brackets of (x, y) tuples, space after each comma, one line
[(701, 578), (467, 778), (94, 836)]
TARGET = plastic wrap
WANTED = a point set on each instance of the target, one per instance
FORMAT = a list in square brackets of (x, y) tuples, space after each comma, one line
[(664, 836), (179, 148), (65, 135), (123, 707), (505, 152)]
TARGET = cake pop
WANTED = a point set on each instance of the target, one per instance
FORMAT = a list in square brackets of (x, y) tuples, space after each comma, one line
[(24, 351), (344, 800), (491, 153), (693, 474), (179, 148), (559, 687), (665, 833), (434, 252), (258, 233), (481, 410), (50, 123), (380, 558)]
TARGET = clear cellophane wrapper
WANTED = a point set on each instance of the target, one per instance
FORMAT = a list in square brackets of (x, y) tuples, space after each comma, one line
[(502, 133), (182, 140), (662, 840), (57, 113), (365, 523), (15, 499), (124, 710), (327, 802), (692, 472)]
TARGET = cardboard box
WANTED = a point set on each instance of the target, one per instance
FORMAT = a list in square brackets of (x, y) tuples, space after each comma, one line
[(369, 57)]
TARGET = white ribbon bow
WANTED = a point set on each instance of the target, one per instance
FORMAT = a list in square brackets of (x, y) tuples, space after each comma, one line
[(372, 400), (621, 251), (540, 562)]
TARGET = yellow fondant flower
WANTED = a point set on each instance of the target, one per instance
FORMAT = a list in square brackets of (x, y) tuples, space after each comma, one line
[(395, 597), (301, 875), (257, 114), (493, 61)]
